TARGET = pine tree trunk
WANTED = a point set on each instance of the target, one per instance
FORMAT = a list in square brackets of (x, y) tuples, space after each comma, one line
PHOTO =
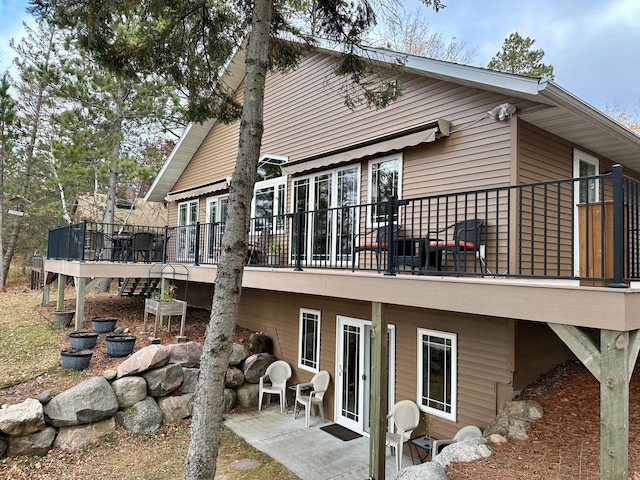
[(209, 400)]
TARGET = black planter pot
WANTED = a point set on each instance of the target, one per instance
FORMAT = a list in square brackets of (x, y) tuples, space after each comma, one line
[(63, 318), (103, 324), (120, 345), (83, 340), (75, 359)]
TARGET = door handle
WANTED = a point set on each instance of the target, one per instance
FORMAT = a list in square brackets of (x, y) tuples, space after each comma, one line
[(364, 377)]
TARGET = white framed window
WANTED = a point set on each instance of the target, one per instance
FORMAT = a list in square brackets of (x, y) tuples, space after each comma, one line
[(584, 165), (385, 181), (269, 195), (309, 341), (437, 372)]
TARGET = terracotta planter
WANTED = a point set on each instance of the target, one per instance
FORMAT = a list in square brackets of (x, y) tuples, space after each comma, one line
[(120, 345), (63, 318), (83, 340), (75, 359), (103, 324)]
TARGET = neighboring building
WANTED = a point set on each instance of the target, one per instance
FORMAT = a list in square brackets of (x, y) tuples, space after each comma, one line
[(459, 144), (134, 211)]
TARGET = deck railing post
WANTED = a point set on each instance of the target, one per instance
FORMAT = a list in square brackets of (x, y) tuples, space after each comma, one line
[(83, 237), (164, 244), (299, 222), (618, 228), (196, 250), (391, 241)]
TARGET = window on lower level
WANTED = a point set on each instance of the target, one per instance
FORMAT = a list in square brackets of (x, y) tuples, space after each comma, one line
[(437, 372), (309, 342)]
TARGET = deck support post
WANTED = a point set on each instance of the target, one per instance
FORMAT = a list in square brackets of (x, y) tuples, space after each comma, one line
[(62, 283), (379, 388), (80, 293), (611, 363)]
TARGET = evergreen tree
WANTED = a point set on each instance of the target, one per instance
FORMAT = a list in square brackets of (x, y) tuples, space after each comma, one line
[(517, 56)]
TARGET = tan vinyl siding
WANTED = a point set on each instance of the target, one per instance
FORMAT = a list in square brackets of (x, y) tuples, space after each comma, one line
[(538, 349), (483, 347)]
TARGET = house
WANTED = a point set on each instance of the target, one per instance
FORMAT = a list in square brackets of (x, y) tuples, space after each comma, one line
[(135, 211), (356, 205)]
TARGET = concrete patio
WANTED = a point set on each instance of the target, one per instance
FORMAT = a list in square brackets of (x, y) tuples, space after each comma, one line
[(310, 453)]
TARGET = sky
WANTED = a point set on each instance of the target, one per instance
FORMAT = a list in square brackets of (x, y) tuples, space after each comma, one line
[(594, 46)]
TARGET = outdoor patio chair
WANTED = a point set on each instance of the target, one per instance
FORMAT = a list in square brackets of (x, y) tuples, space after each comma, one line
[(319, 385), (465, 238), (406, 416), (158, 251), (104, 246), (373, 240), (276, 375), (141, 246), (257, 248), (470, 431)]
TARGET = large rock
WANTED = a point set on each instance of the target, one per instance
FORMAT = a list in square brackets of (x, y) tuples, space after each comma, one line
[(256, 365), (463, 451), (233, 378), (147, 358), (185, 354), (425, 471), (162, 381), (247, 395), (80, 436), (514, 418), (230, 398), (176, 407), (87, 402), (129, 390), (259, 343), (144, 416), (189, 380), (238, 354), (37, 443), (22, 418)]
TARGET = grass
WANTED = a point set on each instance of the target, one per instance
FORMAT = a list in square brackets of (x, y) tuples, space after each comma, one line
[(29, 347)]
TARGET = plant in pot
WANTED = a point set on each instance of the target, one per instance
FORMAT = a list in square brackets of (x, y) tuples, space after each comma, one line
[(165, 295), (273, 253)]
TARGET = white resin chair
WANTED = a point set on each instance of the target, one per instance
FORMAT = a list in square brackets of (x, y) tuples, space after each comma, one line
[(470, 431), (277, 375), (406, 416), (318, 385)]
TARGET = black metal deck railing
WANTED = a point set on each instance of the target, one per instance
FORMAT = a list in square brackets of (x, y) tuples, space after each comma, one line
[(586, 228)]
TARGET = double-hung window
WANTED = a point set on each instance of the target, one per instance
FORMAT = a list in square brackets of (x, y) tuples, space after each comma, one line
[(437, 372), (309, 341), (385, 181)]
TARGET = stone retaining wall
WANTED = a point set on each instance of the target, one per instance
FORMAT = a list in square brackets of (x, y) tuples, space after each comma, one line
[(153, 385)]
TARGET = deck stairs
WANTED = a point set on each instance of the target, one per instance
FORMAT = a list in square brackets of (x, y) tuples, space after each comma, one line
[(137, 286)]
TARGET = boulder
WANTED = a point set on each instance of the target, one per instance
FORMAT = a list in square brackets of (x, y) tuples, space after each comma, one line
[(462, 451), (238, 354), (22, 418), (144, 416), (129, 390), (425, 471), (80, 436), (176, 407), (259, 343), (162, 381), (513, 419), (247, 395), (189, 380), (255, 366), (44, 397), (87, 402), (230, 398), (38, 443), (110, 374), (233, 378), (186, 354), (147, 358)]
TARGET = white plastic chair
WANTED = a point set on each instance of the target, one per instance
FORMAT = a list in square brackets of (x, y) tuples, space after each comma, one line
[(406, 417), (319, 385), (277, 373), (470, 431)]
